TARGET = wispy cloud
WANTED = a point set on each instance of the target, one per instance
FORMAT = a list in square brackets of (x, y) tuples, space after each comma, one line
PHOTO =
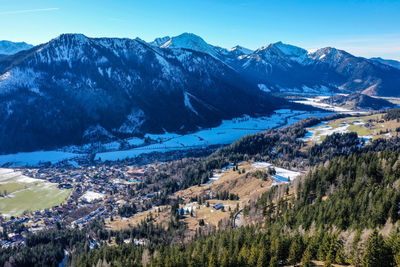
[(28, 11)]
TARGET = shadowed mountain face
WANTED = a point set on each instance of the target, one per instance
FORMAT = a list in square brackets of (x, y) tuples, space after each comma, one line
[(76, 89), (285, 68)]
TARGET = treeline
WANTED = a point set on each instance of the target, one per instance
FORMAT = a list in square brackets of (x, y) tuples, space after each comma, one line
[(392, 114), (127, 210), (43, 248), (248, 246), (226, 195), (334, 145)]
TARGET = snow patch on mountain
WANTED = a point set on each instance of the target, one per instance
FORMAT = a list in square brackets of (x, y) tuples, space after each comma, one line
[(134, 120), (16, 78), (264, 88), (241, 50), (187, 102), (36, 158), (160, 41), (329, 55), (194, 42)]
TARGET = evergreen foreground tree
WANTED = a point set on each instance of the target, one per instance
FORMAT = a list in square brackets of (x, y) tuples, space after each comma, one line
[(376, 253)]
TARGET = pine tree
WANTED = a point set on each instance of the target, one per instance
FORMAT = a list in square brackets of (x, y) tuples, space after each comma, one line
[(213, 258), (225, 260), (274, 262), (306, 260), (333, 248), (262, 259), (376, 253), (253, 256), (394, 243), (295, 250)]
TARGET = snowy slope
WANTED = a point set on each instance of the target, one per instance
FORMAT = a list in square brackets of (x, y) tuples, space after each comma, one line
[(226, 133), (240, 50), (190, 41)]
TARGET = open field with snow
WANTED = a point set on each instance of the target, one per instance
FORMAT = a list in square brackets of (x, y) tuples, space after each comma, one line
[(228, 132), (20, 193), (368, 127), (315, 102), (35, 158), (281, 175)]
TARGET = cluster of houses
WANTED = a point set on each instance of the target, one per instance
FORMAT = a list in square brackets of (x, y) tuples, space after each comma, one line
[(96, 192)]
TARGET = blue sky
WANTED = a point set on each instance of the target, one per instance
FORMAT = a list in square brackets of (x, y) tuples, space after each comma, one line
[(364, 28)]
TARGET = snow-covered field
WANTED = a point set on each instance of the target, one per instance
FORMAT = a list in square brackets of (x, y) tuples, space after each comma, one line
[(284, 175), (281, 176), (217, 174), (228, 132), (315, 103), (316, 133), (35, 158), (12, 176), (27, 194)]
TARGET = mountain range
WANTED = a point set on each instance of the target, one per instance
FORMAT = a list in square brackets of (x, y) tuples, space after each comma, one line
[(389, 62), (9, 48), (76, 89), (283, 68)]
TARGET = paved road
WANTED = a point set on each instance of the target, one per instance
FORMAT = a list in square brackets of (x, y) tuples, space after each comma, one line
[(238, 219)]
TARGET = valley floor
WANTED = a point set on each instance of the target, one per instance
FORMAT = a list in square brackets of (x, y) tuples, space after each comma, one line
[(228, 132)]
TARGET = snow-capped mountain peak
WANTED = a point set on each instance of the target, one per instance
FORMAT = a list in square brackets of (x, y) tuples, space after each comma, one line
[(329, 55), (240, 50), (282, 54), (160, 41), (72, 38), (185, 40), (286, 49), (189, 41)]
